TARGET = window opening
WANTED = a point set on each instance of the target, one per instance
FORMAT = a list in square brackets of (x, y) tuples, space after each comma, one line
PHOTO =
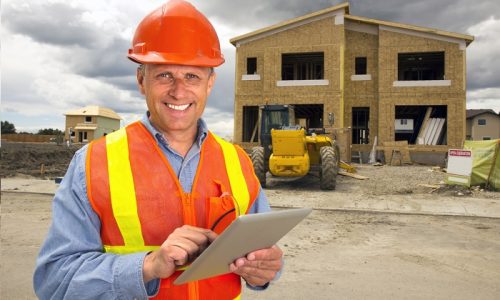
[(251, 65), (309, 117), (360, 121), (421, 66), (360, 66), (302, 66), (250, 124), (423, 125)]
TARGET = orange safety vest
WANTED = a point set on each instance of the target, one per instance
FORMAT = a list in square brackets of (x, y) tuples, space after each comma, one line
[(140, 201)]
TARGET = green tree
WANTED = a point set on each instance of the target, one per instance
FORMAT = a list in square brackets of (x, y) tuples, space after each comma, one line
[(49, 131), (8, 127)]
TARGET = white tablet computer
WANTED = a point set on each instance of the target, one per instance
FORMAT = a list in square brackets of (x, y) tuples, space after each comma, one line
[(245, 234)]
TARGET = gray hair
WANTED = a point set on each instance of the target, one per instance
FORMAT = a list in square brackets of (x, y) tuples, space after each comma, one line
[(142, 69)]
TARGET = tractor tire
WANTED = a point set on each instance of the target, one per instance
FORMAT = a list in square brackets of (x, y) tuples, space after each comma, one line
[(329, 168), (259, 164)]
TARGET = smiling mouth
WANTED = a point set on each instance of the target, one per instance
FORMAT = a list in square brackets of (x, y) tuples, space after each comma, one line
[(178, 107)]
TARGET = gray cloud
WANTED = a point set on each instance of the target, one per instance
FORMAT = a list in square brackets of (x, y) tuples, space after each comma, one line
[(107, 61), (256, 14), (451, 15), (222, 97), (127, 82), (50, 23), (91, 51)]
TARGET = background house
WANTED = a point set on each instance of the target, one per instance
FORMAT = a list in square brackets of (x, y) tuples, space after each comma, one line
[(380, 79), (89, 123), (482, 124)]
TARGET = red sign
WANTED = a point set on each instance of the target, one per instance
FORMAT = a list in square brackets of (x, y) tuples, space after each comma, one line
[(466, 153)]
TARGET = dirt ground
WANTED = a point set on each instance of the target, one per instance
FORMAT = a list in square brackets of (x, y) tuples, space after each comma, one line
[(27, 159), (387, 237)]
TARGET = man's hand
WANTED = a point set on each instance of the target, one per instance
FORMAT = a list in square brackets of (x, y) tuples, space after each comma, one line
[(258, 267), (180, 248)]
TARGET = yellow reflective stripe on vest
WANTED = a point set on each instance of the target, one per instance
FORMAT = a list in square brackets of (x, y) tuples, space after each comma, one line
[(235, 175), (122, 191), (127, 249)]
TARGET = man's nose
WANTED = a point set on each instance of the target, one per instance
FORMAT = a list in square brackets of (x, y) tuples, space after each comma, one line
[(178, 89)]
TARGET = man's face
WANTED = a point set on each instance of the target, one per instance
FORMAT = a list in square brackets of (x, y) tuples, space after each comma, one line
[(176, 95)]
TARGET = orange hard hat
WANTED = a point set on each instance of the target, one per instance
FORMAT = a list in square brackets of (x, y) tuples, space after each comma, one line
[(176, 33)]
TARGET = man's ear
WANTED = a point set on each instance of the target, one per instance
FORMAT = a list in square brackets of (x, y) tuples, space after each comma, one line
[(211, 81), (140, 79)]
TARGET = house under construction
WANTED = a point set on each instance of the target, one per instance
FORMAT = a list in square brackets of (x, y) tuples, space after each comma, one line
[(369, 77)]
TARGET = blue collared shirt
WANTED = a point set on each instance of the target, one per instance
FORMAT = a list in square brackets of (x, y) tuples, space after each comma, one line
[(71, 263)]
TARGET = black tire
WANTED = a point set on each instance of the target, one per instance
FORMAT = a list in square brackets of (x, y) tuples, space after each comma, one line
[(259, 164), (337, 154), (329, 168)]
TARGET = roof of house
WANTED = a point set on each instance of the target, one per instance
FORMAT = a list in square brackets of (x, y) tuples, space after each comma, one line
[(467, 38), (471, 113), (345, 6), (94, 110)]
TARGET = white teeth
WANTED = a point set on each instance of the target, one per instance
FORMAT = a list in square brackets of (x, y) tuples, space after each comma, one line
[(178, 107)]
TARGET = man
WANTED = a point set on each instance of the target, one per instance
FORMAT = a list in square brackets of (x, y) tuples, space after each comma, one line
[(139, 204)]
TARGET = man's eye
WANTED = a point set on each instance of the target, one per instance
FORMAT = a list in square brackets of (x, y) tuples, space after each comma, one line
[(192, 76), (165, 75)]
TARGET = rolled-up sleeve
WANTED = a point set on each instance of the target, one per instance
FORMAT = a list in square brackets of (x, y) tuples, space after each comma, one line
[(71, 263)]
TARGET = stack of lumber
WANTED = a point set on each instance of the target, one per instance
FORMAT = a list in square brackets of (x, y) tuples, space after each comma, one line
[(432, 129)]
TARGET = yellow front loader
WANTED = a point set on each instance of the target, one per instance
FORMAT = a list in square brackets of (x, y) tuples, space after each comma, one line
[(287, 151)]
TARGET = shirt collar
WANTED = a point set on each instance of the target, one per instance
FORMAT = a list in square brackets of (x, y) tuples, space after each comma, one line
[(200, 137)]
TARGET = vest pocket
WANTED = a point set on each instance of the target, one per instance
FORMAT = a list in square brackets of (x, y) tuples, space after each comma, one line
[(221, 212)]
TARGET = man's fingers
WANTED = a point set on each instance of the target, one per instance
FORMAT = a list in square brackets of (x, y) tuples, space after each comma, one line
[(190, 230), (178, 255), (254, 276), (182, 252), (272, 253), (250, 266), (187, 242), (258, 267)]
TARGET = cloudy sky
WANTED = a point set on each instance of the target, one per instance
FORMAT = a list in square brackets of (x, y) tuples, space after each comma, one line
[(59, 55)]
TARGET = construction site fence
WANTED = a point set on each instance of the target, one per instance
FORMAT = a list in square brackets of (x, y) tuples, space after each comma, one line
[(28, 138)]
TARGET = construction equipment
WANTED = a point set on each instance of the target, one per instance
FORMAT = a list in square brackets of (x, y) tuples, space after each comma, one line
[(286, 150)]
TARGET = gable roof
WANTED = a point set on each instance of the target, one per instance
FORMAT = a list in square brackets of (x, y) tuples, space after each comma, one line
[(291, 22), (467, 38), (471, 113), (94, 110), (344, 9)]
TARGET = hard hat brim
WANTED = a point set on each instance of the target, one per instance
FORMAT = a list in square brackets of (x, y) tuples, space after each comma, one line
[(175, 59)]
